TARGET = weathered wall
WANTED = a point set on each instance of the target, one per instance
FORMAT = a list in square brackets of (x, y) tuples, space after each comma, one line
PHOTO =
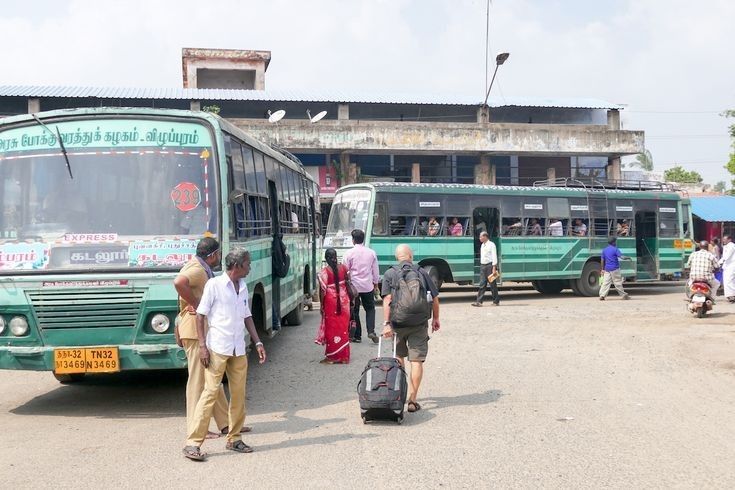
[(401, 137)]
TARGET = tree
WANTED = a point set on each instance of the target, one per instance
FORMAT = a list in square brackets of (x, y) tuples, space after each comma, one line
[(720, 186), (644, 161), (680, 175), (730, 166)]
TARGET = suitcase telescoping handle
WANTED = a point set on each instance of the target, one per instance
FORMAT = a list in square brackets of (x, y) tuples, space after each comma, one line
[(380, 345)]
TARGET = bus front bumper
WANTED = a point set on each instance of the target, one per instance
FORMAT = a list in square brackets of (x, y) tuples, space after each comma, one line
[(132, 357)]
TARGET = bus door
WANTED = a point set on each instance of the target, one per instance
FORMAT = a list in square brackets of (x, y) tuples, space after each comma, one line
[(315, 233), (485, 219), (646, 245), (276, 227)]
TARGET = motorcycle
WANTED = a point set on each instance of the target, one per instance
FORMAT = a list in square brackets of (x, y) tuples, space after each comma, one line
[(700, 298)]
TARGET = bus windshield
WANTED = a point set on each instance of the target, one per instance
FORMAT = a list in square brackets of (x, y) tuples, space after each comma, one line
[(349, 212), (132, 201)]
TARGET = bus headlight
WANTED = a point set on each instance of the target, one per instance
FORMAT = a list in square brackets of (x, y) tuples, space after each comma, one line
[(2, 324), (160, 323), (19, 326)]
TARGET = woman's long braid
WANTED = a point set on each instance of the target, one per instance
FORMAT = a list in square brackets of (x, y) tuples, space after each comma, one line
[(331, 257)]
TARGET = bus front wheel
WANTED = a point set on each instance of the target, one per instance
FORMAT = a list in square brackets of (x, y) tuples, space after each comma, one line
[(66, 379), (433, 273), (589, 283)]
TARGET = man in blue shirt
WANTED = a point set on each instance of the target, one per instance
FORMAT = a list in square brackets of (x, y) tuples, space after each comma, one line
[(610, 269)]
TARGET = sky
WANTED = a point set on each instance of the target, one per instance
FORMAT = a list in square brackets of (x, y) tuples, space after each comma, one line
[(670, 62)]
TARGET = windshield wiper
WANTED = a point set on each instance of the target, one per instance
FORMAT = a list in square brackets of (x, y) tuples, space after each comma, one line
[(61, 143)]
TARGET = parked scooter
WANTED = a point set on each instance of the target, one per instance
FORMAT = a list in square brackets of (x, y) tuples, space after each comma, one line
[(701, 298)]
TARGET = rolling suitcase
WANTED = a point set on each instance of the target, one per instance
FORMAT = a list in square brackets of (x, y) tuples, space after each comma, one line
[(383, 387)]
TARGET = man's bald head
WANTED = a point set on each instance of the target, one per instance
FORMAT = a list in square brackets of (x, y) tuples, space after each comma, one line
[(404, 253)]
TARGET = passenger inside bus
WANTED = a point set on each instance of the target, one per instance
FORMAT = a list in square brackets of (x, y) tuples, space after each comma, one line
[(433, 227), (556, 228), (623, 229), (455, 229), (512, 226), (534, 228), (580, 228)]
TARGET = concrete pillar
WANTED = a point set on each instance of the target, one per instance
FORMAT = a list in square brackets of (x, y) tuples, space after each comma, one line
[(613, 169), (485, 171), (195, 105), (344, 169), (34, 105), (343, 112), (551, 173), (613, 119), (416, 173), (354, 173), (483, 114)]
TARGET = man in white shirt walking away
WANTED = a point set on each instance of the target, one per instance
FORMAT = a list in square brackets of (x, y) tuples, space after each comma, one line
[(727, 262), (488, 265), (225, 303)]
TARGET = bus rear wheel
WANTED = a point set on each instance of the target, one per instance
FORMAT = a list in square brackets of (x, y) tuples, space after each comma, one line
[(66, 379), (549, 286), (295, 316), (589, 283)]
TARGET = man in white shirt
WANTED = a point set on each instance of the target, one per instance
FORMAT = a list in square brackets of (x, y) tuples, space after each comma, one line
[(556, 228), (488, 265), (727, 262), (225, 304)]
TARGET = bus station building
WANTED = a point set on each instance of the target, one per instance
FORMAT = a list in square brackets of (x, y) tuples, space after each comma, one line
[(379, 137)]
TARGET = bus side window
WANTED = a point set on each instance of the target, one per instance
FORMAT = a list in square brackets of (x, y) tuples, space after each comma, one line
[(623, 228), (431, 225), (602, 227), (402, 225), (511, 227), (379, 219)]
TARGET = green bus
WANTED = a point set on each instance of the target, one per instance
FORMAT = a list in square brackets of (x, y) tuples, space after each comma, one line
[(549, 235), (100, 209)]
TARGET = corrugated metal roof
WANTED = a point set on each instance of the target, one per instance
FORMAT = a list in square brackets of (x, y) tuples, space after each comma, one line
[(294, 96), (719, 208)]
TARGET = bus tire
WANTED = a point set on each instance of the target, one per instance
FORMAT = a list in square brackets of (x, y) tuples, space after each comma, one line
[(295, 316), (433, 273), (66, 379), (589, 283), (548, 286)]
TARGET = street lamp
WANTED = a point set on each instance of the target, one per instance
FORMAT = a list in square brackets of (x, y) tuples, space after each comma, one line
[(499, 60)]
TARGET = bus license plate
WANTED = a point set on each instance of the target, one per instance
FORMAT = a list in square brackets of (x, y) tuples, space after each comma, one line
[(86, 360)]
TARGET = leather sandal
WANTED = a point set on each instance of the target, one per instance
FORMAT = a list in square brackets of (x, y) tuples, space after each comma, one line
[(239, 446)]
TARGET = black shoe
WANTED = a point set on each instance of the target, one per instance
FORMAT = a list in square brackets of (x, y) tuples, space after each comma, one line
[(476, 304), (355, 340), (496, 304), (373, 337)]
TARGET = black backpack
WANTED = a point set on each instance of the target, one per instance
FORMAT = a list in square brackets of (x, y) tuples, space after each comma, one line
[(409, 305)]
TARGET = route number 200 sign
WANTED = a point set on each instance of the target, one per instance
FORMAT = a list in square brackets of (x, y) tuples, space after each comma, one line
[(186, 196)]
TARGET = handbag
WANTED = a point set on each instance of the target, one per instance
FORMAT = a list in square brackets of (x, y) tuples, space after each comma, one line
[(494, 276)]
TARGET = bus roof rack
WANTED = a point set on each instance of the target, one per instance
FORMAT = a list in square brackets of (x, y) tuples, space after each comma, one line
[(286, 153), (592, 183)]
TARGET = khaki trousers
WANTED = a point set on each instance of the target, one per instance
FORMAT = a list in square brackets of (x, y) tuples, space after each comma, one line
[(236, 368), (610, 278), (195, 385)]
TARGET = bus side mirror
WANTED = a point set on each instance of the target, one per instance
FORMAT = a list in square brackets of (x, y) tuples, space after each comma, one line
[(236, 195)]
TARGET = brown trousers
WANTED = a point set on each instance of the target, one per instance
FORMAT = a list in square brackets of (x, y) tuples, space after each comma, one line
[(195, 385)]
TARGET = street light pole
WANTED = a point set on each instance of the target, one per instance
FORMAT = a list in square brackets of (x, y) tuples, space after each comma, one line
[(499, 60)]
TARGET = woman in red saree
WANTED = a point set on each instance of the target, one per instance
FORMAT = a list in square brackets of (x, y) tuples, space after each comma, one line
[(335, 307)]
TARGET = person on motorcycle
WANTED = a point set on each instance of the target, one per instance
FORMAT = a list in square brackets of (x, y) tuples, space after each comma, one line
[(702, 265)]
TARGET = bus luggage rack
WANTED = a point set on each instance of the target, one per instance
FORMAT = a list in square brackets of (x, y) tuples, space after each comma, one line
[(590, 183), (85, 309)]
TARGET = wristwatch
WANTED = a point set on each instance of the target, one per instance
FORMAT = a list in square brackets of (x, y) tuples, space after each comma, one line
[(386, 323), (258, 343)]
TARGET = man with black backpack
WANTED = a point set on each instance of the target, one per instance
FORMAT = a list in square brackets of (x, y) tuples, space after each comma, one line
[(410, 298)]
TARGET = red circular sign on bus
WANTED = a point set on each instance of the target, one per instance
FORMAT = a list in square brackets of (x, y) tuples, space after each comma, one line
[(186, 196)]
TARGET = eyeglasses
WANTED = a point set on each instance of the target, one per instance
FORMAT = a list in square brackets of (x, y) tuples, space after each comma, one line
[(216, 251)]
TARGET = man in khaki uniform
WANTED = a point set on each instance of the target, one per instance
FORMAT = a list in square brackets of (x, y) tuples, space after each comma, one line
[(190, 286)]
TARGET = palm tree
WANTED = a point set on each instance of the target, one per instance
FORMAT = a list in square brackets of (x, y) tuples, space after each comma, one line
[(644, 161)]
